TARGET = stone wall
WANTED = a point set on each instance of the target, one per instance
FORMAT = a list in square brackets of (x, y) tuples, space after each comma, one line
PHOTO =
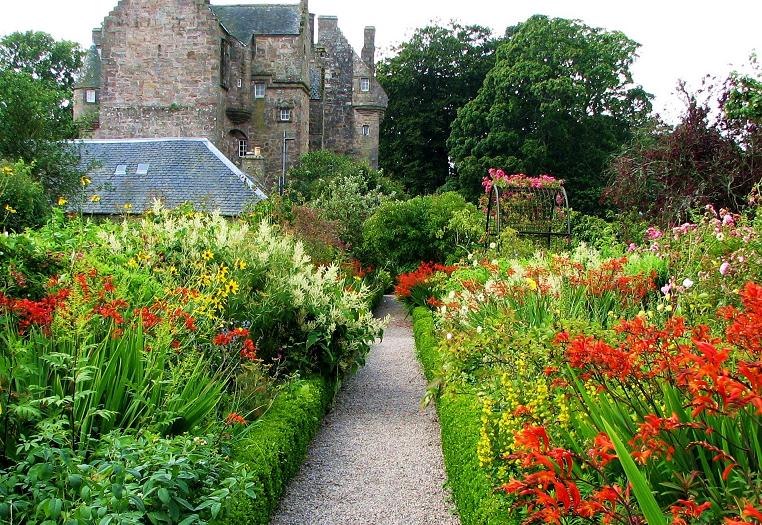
[(161, 71)]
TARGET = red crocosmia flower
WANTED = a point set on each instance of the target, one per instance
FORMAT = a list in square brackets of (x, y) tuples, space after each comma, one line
[(221, 339), (235, 419), (249, 351), (175, 344)]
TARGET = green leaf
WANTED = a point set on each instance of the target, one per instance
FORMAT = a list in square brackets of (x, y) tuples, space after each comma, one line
[(164, 495), (640, 486)]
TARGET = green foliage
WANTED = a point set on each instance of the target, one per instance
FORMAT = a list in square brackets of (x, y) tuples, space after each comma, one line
[(34, 120), (128, 478), (38, 54), (275, 446), (560, 100), (430, 228), (459, 413), (22, 200), (745, 96), (431, 76)]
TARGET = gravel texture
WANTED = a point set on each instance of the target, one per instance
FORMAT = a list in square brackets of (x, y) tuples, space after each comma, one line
[(377, 458)]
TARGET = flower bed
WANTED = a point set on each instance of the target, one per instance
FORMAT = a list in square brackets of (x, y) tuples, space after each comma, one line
[(619, 390), (172, 340)]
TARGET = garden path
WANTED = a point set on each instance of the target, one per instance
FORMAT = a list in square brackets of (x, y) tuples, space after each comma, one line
[(377, 458)]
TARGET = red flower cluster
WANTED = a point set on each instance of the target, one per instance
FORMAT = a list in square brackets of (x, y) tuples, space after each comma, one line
[(248, 349), (34, 313), (407, 282), (235, 419), (609, 277)]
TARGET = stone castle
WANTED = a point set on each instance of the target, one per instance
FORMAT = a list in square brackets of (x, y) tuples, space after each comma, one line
[(252, 79)]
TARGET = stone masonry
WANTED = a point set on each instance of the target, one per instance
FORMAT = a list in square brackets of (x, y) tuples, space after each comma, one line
[(240, 76)]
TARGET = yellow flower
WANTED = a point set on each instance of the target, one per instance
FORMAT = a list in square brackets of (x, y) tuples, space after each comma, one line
[(231, 287), (62, 201), (240, 265), (531, 282), (9, 209), (127, 206), (7, 170), (95, 198), (85, 181), (172, 270), (132, 263), (207, 255)]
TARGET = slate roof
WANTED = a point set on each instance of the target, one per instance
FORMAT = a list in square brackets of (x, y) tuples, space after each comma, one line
[(244, 21), (180, 170), (90, 74)]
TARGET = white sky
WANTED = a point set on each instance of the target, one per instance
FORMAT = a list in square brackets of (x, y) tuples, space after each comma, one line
[(681, 39)]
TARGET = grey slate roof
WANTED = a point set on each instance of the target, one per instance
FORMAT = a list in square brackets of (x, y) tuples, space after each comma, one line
[(180, 170), (244, 21), (90, 74)]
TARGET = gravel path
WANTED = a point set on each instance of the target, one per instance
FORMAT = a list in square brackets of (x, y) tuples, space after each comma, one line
[(377, 458)]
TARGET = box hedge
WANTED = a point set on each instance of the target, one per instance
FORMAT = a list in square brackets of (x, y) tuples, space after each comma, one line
[(459, 416), (275, 446)]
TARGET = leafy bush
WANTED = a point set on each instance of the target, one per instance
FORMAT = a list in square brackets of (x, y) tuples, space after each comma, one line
[(402, 234), (140, 478), (23, 203)]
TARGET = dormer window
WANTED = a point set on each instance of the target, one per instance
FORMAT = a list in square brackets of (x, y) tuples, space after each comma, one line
[(364, 84), (284, 114), (90, 96)]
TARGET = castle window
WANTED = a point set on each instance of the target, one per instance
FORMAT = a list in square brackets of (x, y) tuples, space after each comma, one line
[(90, 96), (259, 90), (240, 83), (366, 130), (364, 84), (285, 114), (243, 145)]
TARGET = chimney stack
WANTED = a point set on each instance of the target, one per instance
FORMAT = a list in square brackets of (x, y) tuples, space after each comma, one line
[(312, 28), (369, 48), (97, 37)]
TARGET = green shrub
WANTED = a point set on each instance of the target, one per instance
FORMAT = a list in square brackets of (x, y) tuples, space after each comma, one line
[(275, 446), (459, 416), (141, 478), (23, 203), (431, 228)]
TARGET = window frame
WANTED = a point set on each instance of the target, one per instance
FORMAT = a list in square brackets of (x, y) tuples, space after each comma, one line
[(243, 146), (366, 130), (286, 112), (262, 86), (365, 84), (92, 92)]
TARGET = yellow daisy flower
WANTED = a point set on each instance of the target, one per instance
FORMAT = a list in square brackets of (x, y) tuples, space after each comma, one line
[(9, 209), (95, 198), (85, 181), (62, 201), (207, 255), (231, 287)]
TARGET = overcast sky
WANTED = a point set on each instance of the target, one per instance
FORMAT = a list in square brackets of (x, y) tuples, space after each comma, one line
[(681, 39)]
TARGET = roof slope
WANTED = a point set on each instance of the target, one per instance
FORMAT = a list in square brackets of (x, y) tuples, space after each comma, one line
[(244, 21), (179, 170)]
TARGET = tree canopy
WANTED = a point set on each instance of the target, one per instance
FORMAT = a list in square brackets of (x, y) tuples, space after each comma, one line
[(560, 100), (432, 75), (36, 81), (42, 57)]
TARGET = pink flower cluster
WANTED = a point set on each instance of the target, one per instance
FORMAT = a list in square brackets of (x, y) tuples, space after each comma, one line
[(501, 179)]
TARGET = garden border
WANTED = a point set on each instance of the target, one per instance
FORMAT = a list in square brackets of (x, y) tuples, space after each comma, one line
[(275, 446), (459, 418)]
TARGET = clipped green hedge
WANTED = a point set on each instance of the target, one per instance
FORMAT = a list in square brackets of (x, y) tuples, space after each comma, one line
[(459, 417), (275, 446)]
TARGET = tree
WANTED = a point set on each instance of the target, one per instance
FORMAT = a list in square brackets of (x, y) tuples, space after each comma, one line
[(432, 75), (560, 100), (35, 122), (666, 174), (744, 97), (42, 57)]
